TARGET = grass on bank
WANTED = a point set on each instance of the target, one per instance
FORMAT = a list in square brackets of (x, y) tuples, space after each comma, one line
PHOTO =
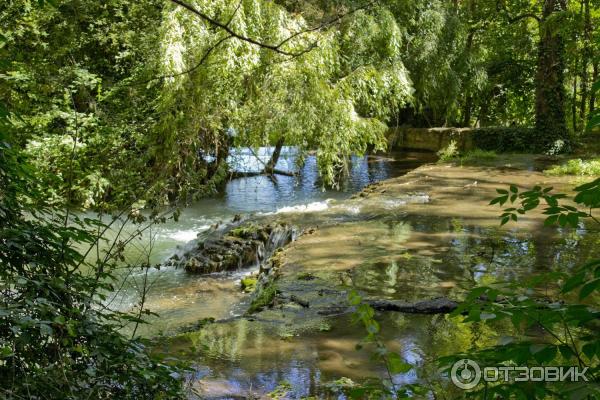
[(475, 156), (576, 167), (590, 167)]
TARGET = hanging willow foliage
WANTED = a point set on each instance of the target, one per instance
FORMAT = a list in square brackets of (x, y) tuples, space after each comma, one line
[(334, 98)]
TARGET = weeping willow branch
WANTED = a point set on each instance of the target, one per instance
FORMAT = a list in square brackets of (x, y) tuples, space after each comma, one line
[(278, 48), (234, 13), (225, 26), (195, 67)]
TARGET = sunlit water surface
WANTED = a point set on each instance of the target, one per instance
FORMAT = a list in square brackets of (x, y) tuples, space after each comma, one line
[(379, 249), (181, 298)]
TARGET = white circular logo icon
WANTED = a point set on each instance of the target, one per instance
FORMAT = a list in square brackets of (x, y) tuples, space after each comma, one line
[(465, 374)]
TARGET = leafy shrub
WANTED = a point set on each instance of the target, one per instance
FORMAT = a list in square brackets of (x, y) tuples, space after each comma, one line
[(576, 167), (57, 338), (508, 139), (449, 152)]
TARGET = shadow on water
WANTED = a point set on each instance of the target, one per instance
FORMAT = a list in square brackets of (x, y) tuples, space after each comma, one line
[(380, 246), (426, 257), (181, 299)]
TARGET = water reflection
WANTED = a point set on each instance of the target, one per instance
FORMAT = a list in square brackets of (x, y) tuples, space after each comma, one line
[(379, 246), (268, 194), (181, 299), (248, 360), (410, 258)]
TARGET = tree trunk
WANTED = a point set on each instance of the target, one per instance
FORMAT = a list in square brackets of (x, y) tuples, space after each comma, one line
[(593, 94), (466, 122), (550, 92), (574, 102), (586, 56), (270, 167)]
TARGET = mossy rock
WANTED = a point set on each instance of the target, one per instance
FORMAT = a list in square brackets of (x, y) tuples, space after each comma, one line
[(246, 231), (264, 298), (249, 284)]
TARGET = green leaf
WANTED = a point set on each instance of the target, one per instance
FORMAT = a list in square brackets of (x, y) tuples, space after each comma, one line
[(573, 282), (591, 349), (545, 354), (562, 219), (566, 351), (45, 330), (396, 364), (551, 220), (589, 288), (573, 219), (587, 186), (497, 200)]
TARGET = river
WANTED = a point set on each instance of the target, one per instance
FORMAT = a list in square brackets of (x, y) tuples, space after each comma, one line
[(182, 299), (422, 234)]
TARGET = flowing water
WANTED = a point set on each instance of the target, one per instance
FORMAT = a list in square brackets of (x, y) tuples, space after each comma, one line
[(180, 298), (415, 258), (429, 235)]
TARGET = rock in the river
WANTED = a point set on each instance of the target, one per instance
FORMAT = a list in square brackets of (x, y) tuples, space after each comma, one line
[(237, 246)]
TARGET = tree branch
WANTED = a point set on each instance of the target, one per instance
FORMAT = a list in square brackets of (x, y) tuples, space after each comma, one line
[(231, 32), (501, 6), (234, 13), (273, 47), (328, 23)]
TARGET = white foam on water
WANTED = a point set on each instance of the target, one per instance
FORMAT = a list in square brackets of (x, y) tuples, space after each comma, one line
[(303, 208), (354, 209), (391, 204), (186, 235), (418, 199)]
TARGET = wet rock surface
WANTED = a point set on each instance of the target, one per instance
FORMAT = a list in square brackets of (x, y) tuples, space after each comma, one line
[(239, 245)]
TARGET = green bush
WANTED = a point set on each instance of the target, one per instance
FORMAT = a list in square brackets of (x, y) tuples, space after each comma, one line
[(57, 338), (448, 153), (475, 156), (576, 167), (508, 139)]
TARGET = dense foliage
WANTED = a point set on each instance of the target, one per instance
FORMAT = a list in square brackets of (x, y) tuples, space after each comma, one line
[(145, 91), (57, 338), (121, 105)]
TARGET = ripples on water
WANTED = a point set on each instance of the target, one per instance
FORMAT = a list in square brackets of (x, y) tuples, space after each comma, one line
[(406, 257), (181, 298)]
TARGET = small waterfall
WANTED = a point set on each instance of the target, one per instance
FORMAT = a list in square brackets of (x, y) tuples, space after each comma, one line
[(237, 246)]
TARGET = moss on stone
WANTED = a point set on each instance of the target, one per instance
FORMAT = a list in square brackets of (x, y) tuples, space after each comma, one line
[(264, 298), (306, 276), (248, 284), (245, 231)]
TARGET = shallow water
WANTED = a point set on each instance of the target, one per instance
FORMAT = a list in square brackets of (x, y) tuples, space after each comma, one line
[(182, 299), (431, 236), (295, 347)]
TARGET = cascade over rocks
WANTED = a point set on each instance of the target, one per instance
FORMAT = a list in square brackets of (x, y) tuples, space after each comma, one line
[(238, 245)]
